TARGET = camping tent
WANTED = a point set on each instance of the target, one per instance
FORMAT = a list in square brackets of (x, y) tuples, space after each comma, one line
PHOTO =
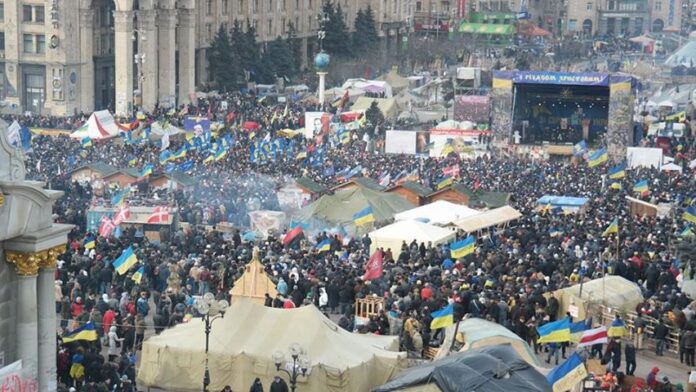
[(440, 212), (392, 236), (254, 283), (494, 217), (475, 333), (159, 129), (242, 345), (338, 209), (613, 291), (396, 81), (387, 106), (489, 369), (100, 125)]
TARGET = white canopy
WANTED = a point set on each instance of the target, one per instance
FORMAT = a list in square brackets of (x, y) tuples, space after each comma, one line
[(100, 125), (441, 212), (392, 236), (671, 167), (365, 84), (242, 345), (487, 219), (160, 129)]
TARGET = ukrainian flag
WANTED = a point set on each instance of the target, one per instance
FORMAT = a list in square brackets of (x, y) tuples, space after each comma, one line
[(138, 275), (690, 214), (125, 261), (580, 148), (86, 142), (555, 232), (444, 182), (554, 332), (568, 374), (363, 217), (463, 248), (118, 199), (181, 153), (220, 154), (443, 318), (209, 159), (618, 171), (85, 332), (617, 329), (301, 155), (165, 156), (324, 246), (613, 228), (147, 170), (641, 187), (598, 157), (88, 243), (616, 185)]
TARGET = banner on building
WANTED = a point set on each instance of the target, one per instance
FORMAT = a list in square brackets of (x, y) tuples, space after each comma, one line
[(564, 78)]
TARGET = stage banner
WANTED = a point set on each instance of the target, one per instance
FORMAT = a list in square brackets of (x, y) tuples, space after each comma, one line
[(191, 123), (400, 142), (564, 78), (620, 127), (501, 97), (474, 108)]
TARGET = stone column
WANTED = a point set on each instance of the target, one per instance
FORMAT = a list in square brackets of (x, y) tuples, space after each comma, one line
[(123, 55), (166, 38), (303, 53), (27, 268), (148, 46), (86, 84), (187, 54), (47, 319)]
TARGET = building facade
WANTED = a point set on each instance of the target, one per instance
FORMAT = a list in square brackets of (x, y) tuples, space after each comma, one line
[(621, 17)]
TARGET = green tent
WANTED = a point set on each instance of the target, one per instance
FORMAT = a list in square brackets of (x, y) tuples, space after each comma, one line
[(487, 28), (340, 207)]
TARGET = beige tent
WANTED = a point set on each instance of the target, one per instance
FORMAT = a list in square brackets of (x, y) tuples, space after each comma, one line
[(387, 106), (475, 333), (613, 291), (242, 345), (254, 284), (494, 217), (392, 236)]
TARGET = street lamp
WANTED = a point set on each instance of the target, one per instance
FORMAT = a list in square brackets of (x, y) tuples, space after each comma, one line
[(300, 365), (211, 310), (323, 19)]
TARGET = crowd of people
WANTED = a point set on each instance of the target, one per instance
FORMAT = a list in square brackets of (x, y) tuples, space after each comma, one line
[(503, 281)]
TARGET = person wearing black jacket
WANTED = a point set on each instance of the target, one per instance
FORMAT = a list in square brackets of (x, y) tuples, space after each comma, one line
[(279, 385), (660, 334), (630, 353)]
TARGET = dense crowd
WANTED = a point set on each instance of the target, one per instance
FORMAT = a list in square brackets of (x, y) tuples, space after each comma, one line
[(503, 281)]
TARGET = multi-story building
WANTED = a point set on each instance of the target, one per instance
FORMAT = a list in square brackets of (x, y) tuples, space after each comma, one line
[(666, 15), (63, 56), (622, 17)]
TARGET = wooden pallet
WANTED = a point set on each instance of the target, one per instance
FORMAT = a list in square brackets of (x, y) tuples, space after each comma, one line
[(370, 306)]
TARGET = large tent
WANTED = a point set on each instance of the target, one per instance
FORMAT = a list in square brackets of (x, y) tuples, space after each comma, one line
[(392, 236), (242, 345), (387, 106), (489, 369), (475, 333), (612, 291), (440, 212), (254, 283), (100, 125), (490, 218), (338, 209)]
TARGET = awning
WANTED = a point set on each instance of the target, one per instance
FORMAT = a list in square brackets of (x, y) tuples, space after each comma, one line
[(486, 28)]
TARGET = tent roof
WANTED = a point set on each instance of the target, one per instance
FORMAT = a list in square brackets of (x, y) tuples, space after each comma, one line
[(99, 125), (685, 55), (491, 199), (395, 80), (365, 182), (488, 218), (310, 185), (340, 207), (254, 282), (489, 369), (438, 212), (418, 189), (386, 105), (100, 167), (409, 230), (612, 290)]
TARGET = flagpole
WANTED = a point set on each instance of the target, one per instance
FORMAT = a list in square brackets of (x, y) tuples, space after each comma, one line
[(454, 338)]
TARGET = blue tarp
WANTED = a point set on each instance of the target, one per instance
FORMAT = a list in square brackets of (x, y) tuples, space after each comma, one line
[(562, 201)]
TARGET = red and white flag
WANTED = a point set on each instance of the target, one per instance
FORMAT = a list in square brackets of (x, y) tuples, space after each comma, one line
[(159, 215), (373, 269), (122, 215), (594, 336), (106, 227), (451, 171)]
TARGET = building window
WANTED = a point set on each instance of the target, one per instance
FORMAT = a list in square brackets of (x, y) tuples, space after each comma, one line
[(241, 6), (41, 43), (297, 4), (39, 14), (589, 6), (225, 5), (26, 13), (2, 11), (210, 7), (310, 18), (256, 6), (2, 40), (658, 6), (297, 23), (270, 28), (284, 5), (419, 6), (310, 4), (209, 29), (270, 5), (28, 40), (282, 25)]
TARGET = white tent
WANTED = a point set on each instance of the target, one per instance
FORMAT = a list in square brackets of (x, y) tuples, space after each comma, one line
[(392, 236), (494, 217), (243, 343), (671, 167), (160, 129), (440, 212), (100, 125)]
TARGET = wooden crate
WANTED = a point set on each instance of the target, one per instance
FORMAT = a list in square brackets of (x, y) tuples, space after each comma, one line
[(370, 306)]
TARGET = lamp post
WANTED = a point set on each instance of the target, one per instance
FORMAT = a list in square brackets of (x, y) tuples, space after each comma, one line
[(139, 60), (321, 61), (211, 310), (299, 365)]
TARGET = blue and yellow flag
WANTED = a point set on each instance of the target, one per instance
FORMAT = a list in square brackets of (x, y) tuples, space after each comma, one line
[(89, 242), (125, 261), (568, 374), (554, 332), (463, 247), (555, 232), (598, 157), (613, 228), (641, 187), (86, 142), (118, 199), (618, 171), (324, 246), (617, 329), (616, 186), (181, 153), (442, 318), (165, 156), (85, 332), (210, 158), (444, 183), (147, 170), (220, 154), (364, 216), (580, 148), (689, 214), (138, 275)]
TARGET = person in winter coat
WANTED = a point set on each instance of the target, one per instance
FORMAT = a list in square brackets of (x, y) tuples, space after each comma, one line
[(279, 385), (114, 350), (323, 299), (257, 386), (630, 353), (651, 380)]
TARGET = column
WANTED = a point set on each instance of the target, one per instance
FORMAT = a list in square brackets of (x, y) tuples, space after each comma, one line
[(303, 53), (47, 319), (147, 45), (26, 267), (123, 55), (86, 86), (187, 54), (166, 37)]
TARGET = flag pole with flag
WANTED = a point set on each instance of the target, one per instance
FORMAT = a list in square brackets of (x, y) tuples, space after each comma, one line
[(374, 266), (364, 216), (442, 318), (463, 248), (86, 332), (567, 375), (554, 332), (125, 261)]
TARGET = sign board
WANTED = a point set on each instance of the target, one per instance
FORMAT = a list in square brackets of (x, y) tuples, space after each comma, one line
[(400, 142), (573, 310), (562, 78)]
